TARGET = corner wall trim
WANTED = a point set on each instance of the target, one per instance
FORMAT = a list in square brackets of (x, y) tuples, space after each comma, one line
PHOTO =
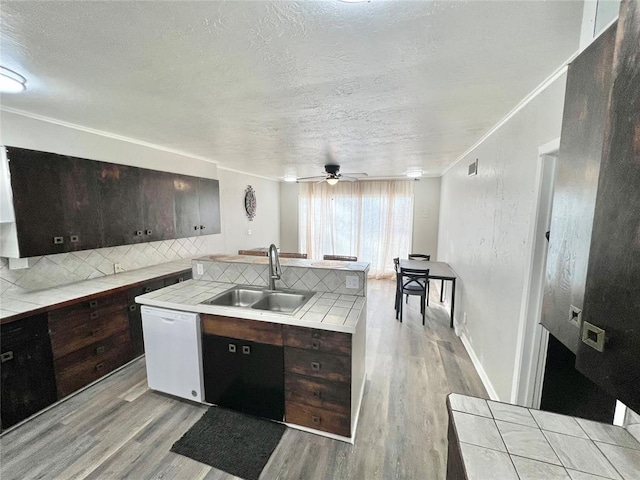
[(479, 368)]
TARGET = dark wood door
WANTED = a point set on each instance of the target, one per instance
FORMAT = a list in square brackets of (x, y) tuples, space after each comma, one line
[(613, 276), (80, 204), (37, 200), (135, 317), (187, 206), (121, 204), (263, 380), (222, 367), (157, 205), (585, 107), (209, 206)]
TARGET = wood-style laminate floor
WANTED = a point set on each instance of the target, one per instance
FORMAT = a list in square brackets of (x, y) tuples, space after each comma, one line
[(118, 428)]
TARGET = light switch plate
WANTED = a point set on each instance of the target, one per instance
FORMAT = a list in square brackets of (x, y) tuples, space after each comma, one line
[(353, 281), (199, 269)]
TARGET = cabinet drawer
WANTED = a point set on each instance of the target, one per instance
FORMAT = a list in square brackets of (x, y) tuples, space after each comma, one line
[(87, 309), (320, 340), (310, 363), (318, 418), (69, 338), (82, 369), (240, 328), (332, 396)]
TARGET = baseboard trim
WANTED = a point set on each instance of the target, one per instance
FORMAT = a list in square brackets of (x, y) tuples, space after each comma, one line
[(479, 368)]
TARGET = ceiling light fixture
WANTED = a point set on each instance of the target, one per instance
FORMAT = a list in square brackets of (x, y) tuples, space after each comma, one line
[(11, 82), (414, 173), (332, 181), (290, 178)]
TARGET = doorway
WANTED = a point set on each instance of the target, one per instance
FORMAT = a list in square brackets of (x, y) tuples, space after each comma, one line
[(532, 337)]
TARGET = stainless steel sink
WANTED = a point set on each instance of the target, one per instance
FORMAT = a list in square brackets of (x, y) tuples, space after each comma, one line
[(237, 297), (284, 302), (281, 301)]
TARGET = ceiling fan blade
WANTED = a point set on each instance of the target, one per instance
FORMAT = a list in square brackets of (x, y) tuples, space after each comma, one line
[(348, 179), (316, 177), (356, 175)]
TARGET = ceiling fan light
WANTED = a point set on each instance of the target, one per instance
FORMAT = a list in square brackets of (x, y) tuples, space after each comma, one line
[(290, 178), (332, 181), (11, 82), (414, 173)]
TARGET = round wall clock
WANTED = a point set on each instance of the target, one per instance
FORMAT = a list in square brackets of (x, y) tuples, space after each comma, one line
[(250, 202)]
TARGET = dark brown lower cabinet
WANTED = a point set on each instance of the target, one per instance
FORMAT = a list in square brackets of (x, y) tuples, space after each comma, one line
[(28, 384), (243, 375)]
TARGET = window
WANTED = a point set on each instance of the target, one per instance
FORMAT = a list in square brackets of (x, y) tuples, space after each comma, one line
[(370, 220)]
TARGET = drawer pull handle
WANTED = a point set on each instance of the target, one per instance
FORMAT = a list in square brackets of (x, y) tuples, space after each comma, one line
[(94, 333), (93, 315), (100, 350), (93, 303), (6, 356), (138, 233), (75, 238), (593, 336), (315, 366), (148, 232), (315, 335), (100, 366), (315, 419), (315, 345), (232, 347), (58, 240), (132, 308), (246, 350), (148, 289), (317, 394), (180, 280)]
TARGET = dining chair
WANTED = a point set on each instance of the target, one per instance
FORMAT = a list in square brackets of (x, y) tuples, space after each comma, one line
[(419, 256), (396, 266), (293, 255), (414, 282), (341, 258)]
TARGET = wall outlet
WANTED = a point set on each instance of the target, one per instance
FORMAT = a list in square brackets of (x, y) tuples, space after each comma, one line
[(199, 269), (117, 268), (353, 281)]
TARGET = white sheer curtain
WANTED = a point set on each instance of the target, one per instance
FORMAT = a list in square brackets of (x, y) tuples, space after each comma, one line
[(372, 220)]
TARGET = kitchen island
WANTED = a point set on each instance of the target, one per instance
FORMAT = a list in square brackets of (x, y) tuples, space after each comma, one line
[(316, 354)]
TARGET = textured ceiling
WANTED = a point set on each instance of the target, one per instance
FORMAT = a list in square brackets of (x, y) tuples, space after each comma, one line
[(264, 86)]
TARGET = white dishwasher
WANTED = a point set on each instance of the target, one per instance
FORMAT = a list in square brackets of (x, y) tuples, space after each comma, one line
[(173, 351)]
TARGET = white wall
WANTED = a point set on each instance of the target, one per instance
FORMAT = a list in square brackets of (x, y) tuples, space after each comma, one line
[(265, 227), (426, 212), (289, 217), (483, 233)]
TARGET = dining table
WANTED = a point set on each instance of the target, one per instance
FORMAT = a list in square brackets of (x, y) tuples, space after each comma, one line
[(437, 271)]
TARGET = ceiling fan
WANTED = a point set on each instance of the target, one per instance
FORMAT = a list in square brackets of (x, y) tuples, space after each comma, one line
[(333, 175)]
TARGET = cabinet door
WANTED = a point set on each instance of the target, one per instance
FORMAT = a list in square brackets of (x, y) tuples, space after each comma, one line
[(187, 206), (613, 278), (157, 205), (80, 204), (120, 202), (209, 206), (586, 103), (263, 380), (135, 316), (35, 181), (222, 367)]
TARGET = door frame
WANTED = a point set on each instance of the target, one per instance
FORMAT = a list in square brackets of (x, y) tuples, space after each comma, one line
[(531, 346)]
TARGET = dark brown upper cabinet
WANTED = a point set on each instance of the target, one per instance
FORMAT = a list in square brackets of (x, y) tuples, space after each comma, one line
[(611, 316), (120, 204), (209, 206), (187, 206), (54, 202), (63, 204), (158, 197), (585, 109)]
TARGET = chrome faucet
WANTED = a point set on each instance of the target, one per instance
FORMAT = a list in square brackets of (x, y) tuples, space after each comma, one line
[(274, 266)]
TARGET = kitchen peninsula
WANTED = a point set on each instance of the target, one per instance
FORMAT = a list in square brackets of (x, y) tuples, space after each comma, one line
[(317, 351)]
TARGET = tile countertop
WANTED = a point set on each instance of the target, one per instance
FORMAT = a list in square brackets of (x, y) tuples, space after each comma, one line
[(288, 262), (325, 311), (500, 440), (18, 304)]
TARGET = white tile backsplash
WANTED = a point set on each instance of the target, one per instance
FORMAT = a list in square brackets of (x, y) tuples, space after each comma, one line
[(64, 268)]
